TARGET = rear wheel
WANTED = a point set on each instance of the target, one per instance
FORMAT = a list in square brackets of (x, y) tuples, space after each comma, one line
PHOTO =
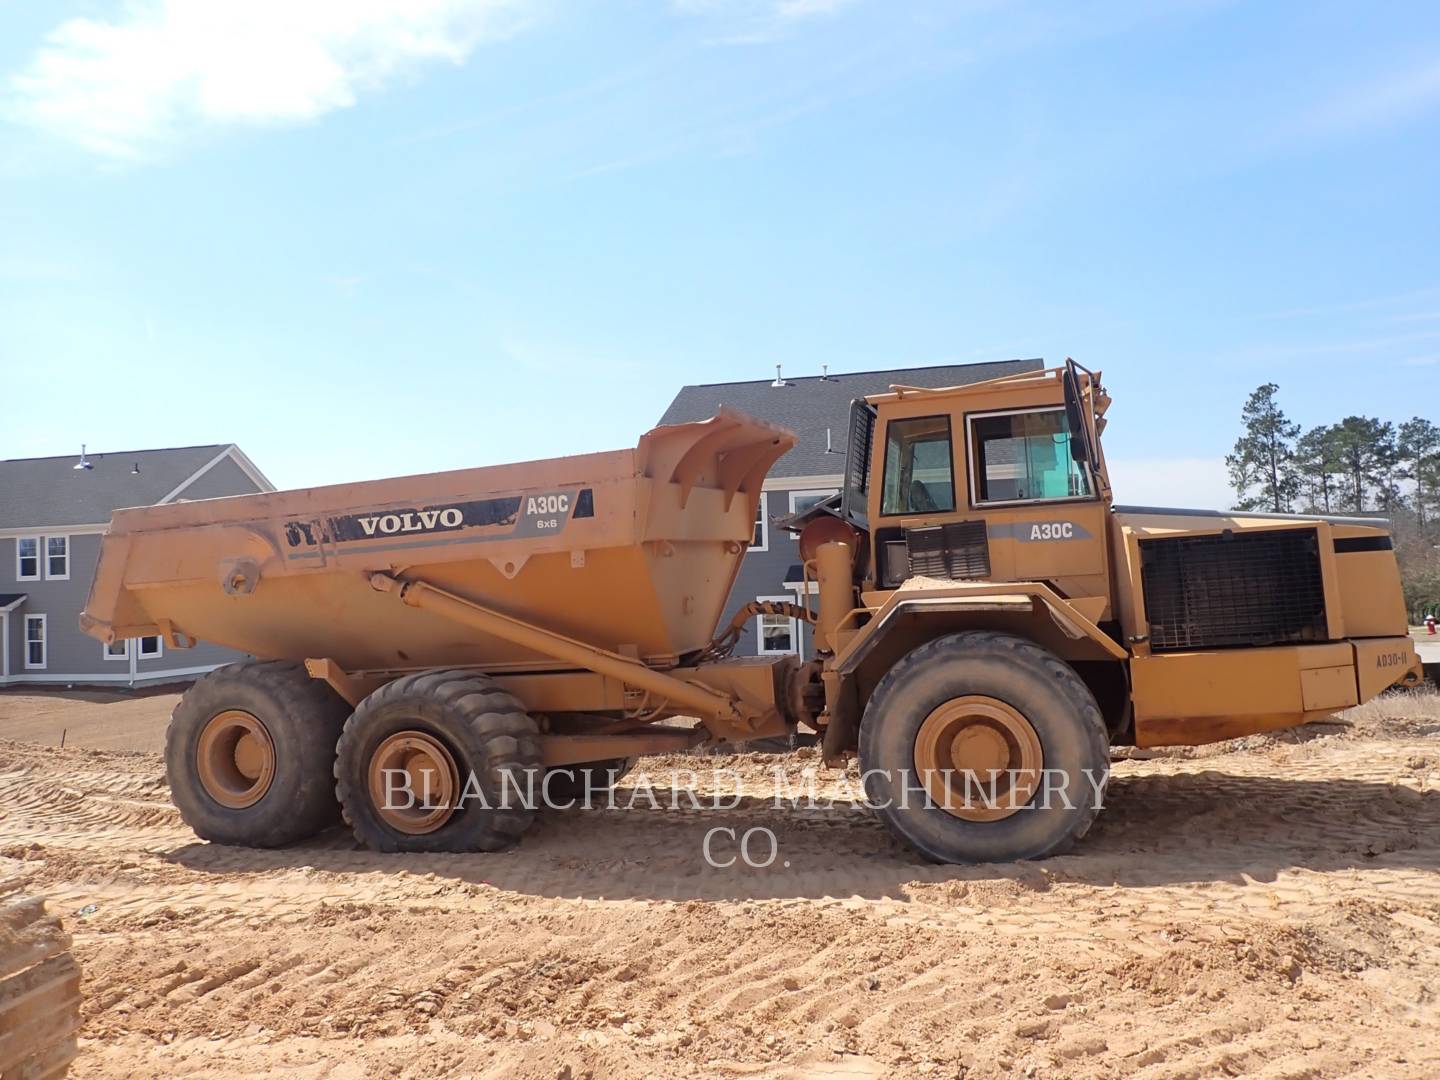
[(249, 754), (439, 761), (984, 747)]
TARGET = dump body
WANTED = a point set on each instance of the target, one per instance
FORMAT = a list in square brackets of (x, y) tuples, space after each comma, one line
[(633, 551)]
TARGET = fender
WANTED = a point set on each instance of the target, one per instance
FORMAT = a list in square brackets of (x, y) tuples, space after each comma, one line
[(1030, 609)]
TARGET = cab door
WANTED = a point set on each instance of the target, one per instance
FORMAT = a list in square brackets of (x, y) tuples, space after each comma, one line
[(1031, 483), (970, 490)]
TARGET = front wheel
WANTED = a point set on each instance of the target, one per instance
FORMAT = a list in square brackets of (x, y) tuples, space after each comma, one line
[(984, 747)]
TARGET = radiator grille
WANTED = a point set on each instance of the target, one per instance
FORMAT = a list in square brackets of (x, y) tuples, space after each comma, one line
[(1262, 588), (955, 551)]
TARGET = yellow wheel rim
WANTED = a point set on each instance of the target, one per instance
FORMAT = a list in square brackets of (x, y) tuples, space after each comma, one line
[(414, 782), (978, 758), (235, 758)]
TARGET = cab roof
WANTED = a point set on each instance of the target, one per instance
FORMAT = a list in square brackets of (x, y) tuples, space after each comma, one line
[(1048, 378)]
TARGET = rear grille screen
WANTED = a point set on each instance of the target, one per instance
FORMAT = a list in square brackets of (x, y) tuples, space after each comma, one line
[(1261, 588), (955, 551)]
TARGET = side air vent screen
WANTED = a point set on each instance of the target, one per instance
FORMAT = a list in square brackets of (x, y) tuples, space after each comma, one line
[(955, 551), (1259, 588)]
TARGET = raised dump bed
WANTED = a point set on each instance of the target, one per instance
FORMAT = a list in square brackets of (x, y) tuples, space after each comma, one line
[(631, 551)]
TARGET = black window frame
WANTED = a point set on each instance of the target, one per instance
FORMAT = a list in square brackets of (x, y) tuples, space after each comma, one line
[(885, 469), (972, 462)]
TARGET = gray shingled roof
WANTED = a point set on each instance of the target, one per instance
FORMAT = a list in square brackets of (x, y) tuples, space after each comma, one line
[(51, 491), (811, 404)]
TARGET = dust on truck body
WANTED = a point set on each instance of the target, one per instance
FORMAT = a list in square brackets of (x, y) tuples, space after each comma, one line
[(438, 653)]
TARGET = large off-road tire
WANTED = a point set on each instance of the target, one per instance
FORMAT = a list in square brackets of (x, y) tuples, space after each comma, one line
[(983, 701), (39, 990), (582, 784), (467, 752), (250, 752)]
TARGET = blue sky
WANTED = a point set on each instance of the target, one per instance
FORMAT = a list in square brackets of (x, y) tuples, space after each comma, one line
[(363, 240)]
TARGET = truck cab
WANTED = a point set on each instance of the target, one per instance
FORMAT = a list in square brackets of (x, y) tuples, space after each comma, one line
[(999, 481)]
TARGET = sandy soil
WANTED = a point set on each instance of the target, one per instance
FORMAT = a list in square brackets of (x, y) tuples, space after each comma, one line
[(1267, 908), (130, 720)]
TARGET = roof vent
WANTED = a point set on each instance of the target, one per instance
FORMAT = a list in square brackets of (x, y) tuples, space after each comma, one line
[(825, 373), (84, 462), (829, 449), (779, 379), (135, 469)]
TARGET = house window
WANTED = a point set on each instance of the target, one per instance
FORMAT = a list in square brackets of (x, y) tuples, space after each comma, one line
[(27, 558), (775, 634), (803, 500), (919, 474), (57, 558), (1024, 457), (34, 641), (150, 647), (119, 649), (761, 539)]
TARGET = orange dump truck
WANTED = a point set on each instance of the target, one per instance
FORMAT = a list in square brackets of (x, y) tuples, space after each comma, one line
[(987, 624)]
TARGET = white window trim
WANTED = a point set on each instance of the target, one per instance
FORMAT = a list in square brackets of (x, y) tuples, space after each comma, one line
[(45, 547), (760, 649), (44, 642), (140, 652), (124, 654), (39, 555), (823, 493), (970, 461), (762, 509)]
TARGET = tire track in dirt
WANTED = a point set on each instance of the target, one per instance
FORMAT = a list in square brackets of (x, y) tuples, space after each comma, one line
[(1272, 912)]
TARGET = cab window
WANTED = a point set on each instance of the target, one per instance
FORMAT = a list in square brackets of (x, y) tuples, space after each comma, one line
[(919, 474), (1025, 457)]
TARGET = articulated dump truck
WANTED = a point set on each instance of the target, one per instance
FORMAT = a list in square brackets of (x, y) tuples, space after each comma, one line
[(986, 626)]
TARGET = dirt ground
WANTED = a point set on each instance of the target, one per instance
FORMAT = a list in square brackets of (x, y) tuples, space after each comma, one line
[(1266, 908)]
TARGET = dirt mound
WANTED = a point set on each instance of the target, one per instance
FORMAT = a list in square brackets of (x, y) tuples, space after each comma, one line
[(39, 988)]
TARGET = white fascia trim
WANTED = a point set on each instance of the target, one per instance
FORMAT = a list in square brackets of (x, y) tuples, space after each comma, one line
[(247, 466), (112, 676), (197, 474), (802, 483), (14, 603), (53, 530), (823, 493)]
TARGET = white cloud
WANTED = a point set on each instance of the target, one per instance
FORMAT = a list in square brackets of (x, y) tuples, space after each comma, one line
[(164, 69), (759, 22), (1388, 100), (1192, 483)]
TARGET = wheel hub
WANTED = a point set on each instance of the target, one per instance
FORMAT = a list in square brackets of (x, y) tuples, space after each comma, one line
[(235, 759), (978, 758), (414, 782)]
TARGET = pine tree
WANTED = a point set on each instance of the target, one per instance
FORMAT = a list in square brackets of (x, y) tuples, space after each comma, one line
[(1418, 451), (1318, 460), (1365, 447), (1264, 456)]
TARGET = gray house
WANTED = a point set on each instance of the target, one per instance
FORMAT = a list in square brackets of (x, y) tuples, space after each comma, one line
[(817, 408), (52, 513)]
